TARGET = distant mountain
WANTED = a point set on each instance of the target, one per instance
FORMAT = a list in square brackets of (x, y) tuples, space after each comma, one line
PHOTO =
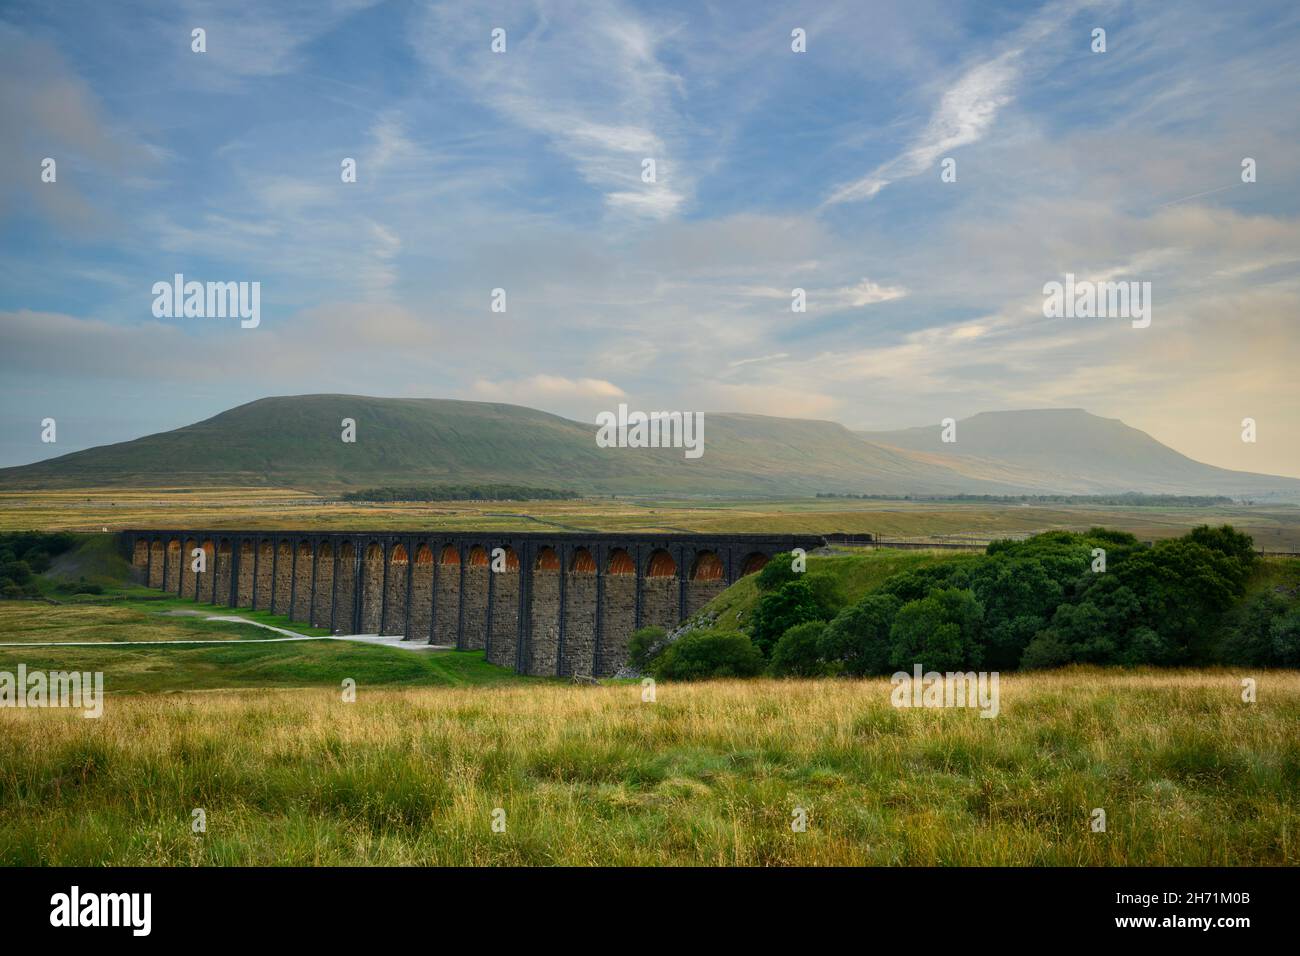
[(1070, 451), (294, 442)]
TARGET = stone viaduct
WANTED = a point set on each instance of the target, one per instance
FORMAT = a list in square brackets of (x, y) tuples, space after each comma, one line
[(541, 603)]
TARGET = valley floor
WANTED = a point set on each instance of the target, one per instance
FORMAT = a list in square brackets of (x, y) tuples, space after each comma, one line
[(1274, 527)]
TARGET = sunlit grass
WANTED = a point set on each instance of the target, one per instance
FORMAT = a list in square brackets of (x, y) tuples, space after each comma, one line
[(708, 774)]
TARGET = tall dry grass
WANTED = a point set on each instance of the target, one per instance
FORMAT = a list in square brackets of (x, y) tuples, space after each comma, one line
[(708, 774)]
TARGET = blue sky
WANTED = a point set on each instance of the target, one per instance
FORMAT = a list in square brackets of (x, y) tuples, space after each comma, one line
[(776, 170)]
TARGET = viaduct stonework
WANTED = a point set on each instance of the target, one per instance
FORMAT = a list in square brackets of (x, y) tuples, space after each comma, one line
[(549, 604)]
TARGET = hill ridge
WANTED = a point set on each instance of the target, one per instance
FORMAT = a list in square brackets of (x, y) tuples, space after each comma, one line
[(296, 441)]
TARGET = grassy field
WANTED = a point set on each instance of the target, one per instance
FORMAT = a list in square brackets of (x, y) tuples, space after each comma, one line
[(707, 774), (1274, 527), (259, 737), (131, 613), (240, 656)]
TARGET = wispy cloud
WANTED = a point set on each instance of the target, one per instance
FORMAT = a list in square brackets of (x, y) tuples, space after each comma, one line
[(248, 38), (965, 113), (967, 109), (588, 80), (761, 358)]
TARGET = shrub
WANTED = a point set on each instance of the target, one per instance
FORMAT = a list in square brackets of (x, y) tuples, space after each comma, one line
[(1286, 640), (797, 653), (793, 603), (641, 642), (776, 572), (1228, 541), (857, 639), (1111, 538), (1251, 641), (940, 632), (703, 654), (917, 583), (1045, 650)]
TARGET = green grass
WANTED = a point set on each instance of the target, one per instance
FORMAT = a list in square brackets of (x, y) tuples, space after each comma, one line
[(119, 616), (38, 622), (154, 669), (95, 559), (708, 774), (136, 614), (856, 574)]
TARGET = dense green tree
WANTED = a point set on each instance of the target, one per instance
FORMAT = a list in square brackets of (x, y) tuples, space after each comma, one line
[(1286, 639), (1150, 607), (916, 583), (1226, 540), (797, 653), (1251, 640), (940, 632), (1046, 650), (1019, 596), (778, 571), (793, 603), (826, 592), (856, 641), (26, 554)]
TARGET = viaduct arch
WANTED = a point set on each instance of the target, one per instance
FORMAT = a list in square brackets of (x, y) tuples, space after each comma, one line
[(540, 603)]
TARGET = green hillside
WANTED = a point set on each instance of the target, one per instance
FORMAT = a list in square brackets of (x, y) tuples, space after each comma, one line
[(296, 442)]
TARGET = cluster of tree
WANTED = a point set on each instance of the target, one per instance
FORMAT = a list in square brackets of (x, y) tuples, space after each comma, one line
[(1058, 598), (1128, 499), (460, 493), (25, 554)]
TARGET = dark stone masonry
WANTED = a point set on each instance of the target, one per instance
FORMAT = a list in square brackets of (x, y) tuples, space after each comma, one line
[(539, 603)]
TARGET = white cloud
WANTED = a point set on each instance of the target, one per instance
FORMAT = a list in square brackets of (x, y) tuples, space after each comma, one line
[(865, 292), (547, 388), (761, 358), (589, 81), (967, 109), (249, 38), (965, 113)]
